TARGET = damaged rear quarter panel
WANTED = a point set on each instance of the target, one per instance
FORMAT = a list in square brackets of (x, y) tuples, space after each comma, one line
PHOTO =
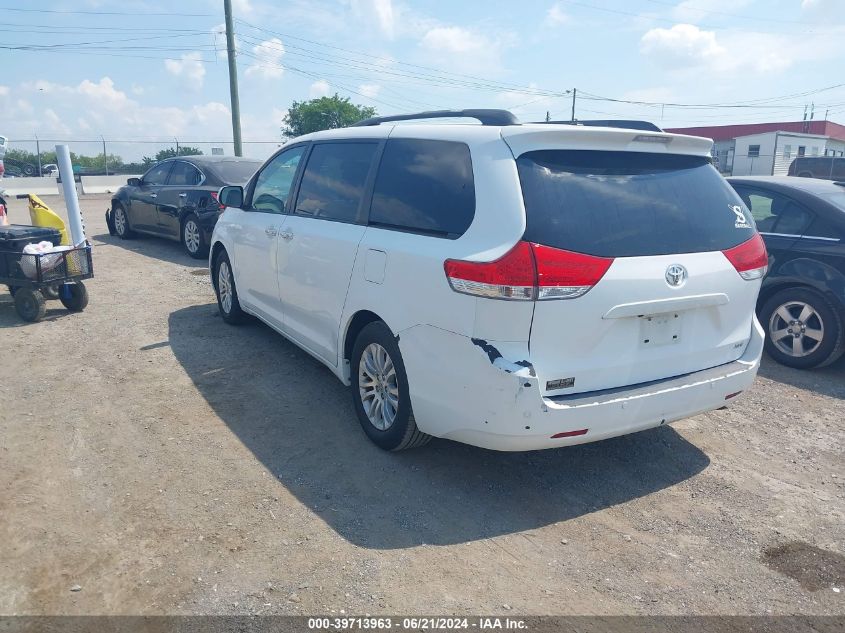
[(461, 383)]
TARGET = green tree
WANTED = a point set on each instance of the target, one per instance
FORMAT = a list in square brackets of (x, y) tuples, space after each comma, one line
[(324, 113), (170, 152)]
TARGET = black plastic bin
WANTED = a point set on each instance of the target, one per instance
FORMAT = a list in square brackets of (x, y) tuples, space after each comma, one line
[(15, 236)]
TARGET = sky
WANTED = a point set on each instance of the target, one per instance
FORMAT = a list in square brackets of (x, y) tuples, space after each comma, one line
[(143, 74)]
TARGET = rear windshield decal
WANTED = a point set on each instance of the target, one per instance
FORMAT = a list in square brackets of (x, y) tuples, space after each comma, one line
[(741, 221)]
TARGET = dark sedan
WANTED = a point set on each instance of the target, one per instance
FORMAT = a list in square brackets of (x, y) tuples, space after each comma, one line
[(802, 301), (177, 199)]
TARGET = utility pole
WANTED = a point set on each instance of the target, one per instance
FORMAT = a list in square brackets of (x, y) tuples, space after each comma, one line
[(177, 145), (574, 92), (548, 116), (233, 79)]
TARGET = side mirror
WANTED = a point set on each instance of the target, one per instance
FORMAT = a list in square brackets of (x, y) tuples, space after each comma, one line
[(133, 182), (232, 196)]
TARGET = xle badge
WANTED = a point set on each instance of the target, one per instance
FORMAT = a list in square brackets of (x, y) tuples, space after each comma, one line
[(562, 383)]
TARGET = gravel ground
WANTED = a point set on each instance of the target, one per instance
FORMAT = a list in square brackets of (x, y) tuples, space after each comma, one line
[(155, 461)]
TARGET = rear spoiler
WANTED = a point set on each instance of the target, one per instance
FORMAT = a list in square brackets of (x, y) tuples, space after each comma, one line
[(626, 124)]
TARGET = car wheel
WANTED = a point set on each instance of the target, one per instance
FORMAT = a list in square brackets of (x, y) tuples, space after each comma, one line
[(74, 296), (227, 294), (192, 237), (380, 391), (802, 329), (121, 223), (30, 304)]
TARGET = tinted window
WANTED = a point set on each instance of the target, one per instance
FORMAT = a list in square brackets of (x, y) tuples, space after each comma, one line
[(158, 174), (236, 172), (424, 186), (184, 174), (822, 228), (275, 180), (333, 181), (629, 204)]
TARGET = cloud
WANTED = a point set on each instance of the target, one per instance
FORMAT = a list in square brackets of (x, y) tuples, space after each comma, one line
[(369, 90), (4, 91), (189, 67), (104, 93), (455, 40), (687, 47), (242, 7), (556, 16), (137, 90), (268, 64), (380, 12), (318, 89)]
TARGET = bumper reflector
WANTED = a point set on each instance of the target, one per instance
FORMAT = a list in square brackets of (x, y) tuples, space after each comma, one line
[(569, 434), (732, 395)]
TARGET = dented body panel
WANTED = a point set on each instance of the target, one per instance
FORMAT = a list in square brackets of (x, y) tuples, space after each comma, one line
[(484, 393)]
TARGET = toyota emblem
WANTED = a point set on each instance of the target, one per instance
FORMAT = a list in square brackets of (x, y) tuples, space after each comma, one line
[(676, 275)]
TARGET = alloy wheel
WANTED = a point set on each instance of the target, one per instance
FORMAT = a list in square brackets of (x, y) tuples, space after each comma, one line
[(796, 329), (119, 221), (192, 236), (378, 386), (224, 286)]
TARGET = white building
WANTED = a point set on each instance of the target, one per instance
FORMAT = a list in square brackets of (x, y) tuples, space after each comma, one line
[(766, 149)]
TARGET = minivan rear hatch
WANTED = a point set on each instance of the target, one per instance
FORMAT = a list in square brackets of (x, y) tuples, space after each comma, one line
[(670, 235)]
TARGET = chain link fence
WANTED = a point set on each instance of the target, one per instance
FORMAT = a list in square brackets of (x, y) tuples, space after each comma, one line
[(103, 157)]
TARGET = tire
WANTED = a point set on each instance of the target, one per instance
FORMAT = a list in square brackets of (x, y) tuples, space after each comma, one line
[(800, 311), (193, 238), (121, 223), (12, 290), (28, 170), (227, 294), (51, 292), (376, 354), (110, 222), (74, 296), (30, 304)]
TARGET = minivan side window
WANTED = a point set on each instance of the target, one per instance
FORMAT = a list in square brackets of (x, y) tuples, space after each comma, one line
[(333, 181), (274, 182), (424, 186)]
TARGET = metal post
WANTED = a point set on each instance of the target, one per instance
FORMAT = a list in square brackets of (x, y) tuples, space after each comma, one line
[(38, 153), (233, 79), (74, 213), (574, 92), (177, 145), (105, 156)]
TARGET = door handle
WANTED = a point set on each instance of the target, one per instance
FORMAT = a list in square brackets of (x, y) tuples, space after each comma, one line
[(153, 195), (286, 235), (271, 231), (183, 195)]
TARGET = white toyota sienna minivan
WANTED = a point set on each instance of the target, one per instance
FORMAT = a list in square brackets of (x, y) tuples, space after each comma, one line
[(512, 286)]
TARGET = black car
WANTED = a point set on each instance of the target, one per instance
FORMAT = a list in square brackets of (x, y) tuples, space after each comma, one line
[(177, 199), (802, 301)]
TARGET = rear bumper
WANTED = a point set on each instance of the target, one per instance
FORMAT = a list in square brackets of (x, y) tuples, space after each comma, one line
[(458, 394)]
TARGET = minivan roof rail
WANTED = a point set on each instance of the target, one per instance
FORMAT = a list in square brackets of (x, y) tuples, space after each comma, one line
[(485, 116), (627, 124)]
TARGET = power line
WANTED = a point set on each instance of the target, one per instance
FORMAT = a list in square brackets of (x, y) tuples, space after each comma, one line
[(120, 13)]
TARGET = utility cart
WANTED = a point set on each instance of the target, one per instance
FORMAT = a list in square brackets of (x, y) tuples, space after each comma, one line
[(34, 278)]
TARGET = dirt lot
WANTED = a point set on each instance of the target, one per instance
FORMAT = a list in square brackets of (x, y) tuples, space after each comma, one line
[(154, 460)]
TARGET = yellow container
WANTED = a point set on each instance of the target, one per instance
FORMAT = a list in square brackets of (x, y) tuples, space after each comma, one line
[(42, 215)]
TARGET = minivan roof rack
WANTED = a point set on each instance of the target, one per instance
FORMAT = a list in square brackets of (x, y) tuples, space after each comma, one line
[(485, 116), (627, 124)]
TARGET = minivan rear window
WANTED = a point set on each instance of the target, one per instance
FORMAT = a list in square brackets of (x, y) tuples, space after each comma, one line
[(629, 204)]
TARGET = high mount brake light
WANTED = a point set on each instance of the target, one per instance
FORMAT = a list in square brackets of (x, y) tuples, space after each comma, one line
[(749, 258), (528, 272)]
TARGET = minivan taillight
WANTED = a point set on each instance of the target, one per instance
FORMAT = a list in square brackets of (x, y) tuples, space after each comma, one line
[(528, 272), (749, 258)]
